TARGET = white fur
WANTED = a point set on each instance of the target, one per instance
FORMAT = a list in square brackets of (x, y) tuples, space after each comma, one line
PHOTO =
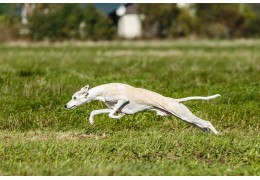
[(125, 99)]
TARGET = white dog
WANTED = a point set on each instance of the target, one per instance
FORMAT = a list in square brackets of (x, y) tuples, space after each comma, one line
[(125, 99)]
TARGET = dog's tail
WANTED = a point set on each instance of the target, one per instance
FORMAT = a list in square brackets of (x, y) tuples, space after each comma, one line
[(198, 98)]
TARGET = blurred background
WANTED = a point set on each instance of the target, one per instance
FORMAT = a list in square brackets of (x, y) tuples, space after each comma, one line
[(110, 21)]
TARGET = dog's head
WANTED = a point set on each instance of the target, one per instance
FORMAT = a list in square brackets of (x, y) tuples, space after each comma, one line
[(79, 98)]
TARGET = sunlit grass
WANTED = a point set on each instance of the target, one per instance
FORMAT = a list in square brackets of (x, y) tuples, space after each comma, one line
[(39, 137)]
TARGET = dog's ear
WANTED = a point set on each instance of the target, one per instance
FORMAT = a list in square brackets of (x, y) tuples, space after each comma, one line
[(85, 89)]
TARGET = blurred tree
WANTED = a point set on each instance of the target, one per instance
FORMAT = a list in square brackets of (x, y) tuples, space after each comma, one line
[(73, 21), (255, 7), (9, 28), (9, 22), (70, 21), (252, 22), (209, 20), (97, 25), (158, 19), (185, 24), (8, 9), (223, 20), (59, 23), (252, 27), (68, 18)]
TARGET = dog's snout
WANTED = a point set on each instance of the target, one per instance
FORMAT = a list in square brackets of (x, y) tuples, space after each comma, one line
[(65, 105)]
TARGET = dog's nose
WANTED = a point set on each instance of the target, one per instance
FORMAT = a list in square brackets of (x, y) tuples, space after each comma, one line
[(65, 106)]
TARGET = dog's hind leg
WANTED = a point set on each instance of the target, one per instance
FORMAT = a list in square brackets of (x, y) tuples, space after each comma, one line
[(203, 125), (186, 115), (161, 112)]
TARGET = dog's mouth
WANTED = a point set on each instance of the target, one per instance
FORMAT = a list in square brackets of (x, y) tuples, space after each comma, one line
[(72, 107)]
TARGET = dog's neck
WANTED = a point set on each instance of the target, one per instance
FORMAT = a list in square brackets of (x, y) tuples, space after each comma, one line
[(96, 93)]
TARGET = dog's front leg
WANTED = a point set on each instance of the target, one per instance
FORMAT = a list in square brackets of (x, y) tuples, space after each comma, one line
[(114, 110), (95, 112)]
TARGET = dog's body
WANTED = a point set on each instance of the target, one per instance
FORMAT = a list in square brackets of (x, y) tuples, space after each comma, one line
[(126, 99)]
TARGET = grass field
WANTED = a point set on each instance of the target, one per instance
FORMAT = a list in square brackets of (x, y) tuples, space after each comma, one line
[(39, 137)]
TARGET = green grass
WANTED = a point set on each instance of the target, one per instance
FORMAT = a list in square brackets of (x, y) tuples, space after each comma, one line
[(39, 137)]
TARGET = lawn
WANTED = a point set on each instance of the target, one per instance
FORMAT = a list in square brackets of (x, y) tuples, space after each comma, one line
[(39, 137)]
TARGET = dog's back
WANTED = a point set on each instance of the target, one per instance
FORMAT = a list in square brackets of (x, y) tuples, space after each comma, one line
[(136, 95)]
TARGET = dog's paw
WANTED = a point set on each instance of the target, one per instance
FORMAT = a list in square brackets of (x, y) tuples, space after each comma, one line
[(205, 130)]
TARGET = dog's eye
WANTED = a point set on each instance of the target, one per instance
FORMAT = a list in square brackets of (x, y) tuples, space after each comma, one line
[(74, 98), (86, 94)]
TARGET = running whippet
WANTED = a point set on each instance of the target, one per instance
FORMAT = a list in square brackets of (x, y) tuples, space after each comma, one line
[(125, 99)]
